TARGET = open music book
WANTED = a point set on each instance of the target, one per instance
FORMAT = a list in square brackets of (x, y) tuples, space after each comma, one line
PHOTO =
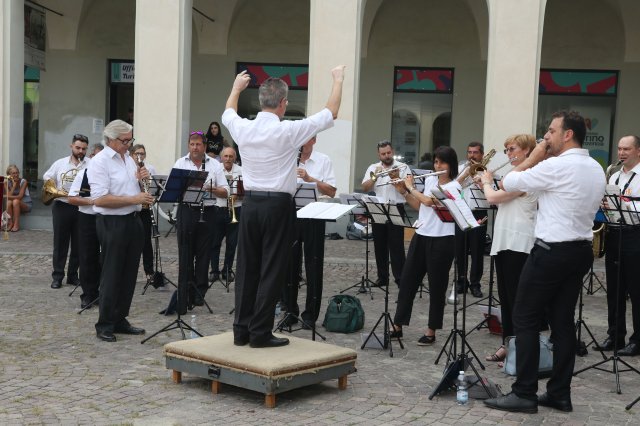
[(458, 208)]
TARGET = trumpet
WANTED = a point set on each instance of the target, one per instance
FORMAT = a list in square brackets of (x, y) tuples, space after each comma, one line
[(232, 209), (395, 181), (375, 175)]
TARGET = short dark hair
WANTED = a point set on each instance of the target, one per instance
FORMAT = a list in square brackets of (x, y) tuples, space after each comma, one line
[(572, 120), (80, 137), (448, 155), (476, 144), (384, 143)]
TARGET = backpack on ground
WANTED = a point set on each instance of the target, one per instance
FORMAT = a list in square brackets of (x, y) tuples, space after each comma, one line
[(344, 314)]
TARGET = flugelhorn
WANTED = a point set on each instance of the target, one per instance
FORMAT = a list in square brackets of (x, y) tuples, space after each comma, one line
[(375, 175), (394, 181)]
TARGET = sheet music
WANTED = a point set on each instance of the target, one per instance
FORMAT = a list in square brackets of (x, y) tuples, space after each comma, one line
[(459, 209), (397, 218), (324, 211), (377, 212), (305, 193), (475, 198), (612, 198), (353, 200)]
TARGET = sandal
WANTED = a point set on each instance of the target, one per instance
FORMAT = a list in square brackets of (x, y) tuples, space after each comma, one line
[(495, 357)]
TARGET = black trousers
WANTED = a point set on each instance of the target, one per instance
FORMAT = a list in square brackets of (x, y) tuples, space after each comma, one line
[(89, 252), (147, 249), (509, 266), (388, 242), (310, 238), (617, 289), (264, 248), (121, 242), (65, 231), (433, 256), (194, 251), (228, 230), (550, 283), (476, 240)]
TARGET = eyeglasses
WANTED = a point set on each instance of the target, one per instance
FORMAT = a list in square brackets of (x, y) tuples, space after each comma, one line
[(127, 142), (79, 137), (510, 150), (144, 154)]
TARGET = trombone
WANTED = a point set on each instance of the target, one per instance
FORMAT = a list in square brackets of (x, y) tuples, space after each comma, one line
[(398, 180), (375, 175), (492, 171)]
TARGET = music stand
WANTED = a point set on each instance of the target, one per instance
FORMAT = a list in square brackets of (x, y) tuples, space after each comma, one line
[(621, 213), (454, 209), (364, 284), (185, 187)]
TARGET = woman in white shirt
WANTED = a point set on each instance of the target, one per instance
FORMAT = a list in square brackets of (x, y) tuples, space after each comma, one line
[(431, 250), (513, 234)]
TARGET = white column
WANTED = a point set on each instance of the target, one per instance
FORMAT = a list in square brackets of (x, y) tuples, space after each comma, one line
[(163, 74), (513, 69), (334, 39), (12, 89)]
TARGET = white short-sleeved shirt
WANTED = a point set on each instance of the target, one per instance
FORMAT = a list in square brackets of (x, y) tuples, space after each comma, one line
[(270, 147), (570, 188), (215, 179), (60, 171), (234, 173), (514, 225), (387, 192), (429, 224), (319, 167), (109, 174)]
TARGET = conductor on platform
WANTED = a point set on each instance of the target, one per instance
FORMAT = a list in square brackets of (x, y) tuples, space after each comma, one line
[(270, 147)]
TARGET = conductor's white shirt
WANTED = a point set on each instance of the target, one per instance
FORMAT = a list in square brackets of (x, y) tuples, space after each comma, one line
[(214, 179), (388, 193), (109, 174), (270, 147), (570, 188), (64, 168)]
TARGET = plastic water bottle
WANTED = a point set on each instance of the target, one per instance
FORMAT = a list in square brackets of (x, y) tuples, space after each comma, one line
[(462, 396), (193, 334), (278, 309)]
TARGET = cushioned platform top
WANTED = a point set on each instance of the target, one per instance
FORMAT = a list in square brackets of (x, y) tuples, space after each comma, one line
[(298, 356)]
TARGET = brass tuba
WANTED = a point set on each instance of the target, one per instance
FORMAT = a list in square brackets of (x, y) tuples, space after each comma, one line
[(51, 192)]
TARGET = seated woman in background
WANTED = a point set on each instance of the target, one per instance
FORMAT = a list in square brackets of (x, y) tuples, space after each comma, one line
[(431, 250), (18, 198), (513, 234)]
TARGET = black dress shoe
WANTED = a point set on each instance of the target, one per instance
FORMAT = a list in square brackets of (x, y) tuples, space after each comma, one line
[(240, 341), (270, 343), (73, 281), (56, 284), (395, 334), (129, 329), (198, 301), (513, 403), (475, 291), (632, 349), (608, 344), (381, 282), (107, 336), (559, 404)]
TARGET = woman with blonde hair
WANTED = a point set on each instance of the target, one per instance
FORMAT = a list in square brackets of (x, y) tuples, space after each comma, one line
[(513, 233), (18, 198)]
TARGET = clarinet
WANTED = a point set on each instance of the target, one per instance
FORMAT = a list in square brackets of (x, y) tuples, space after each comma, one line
[(299, 157), (145, 189), (202, 199)]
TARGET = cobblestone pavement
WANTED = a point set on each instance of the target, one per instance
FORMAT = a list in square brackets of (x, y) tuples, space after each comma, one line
[(55, 371)]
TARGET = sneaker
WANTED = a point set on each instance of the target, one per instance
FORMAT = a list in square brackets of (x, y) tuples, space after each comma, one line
[(426, 340)]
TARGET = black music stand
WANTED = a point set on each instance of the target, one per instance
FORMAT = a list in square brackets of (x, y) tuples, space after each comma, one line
[(383, 213), (364, 285), (599, 221), (455, 210), (185, 187), (622, 213)]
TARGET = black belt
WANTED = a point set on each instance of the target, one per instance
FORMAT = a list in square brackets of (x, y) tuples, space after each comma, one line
[(272, 194), (548, 246)]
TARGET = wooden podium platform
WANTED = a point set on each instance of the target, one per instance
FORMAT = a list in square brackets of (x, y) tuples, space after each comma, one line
[(266, 370)]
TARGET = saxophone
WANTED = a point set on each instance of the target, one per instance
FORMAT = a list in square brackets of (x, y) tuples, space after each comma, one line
[(600, 230)]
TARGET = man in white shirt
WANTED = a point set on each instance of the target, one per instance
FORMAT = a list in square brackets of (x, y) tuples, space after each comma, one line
[(196, 225), (64, 215), (114, 180), (388, 239), (628, 181), (88, 244), (475, 238), (269, 148), (224, 227), (314, 167), (570, 186)]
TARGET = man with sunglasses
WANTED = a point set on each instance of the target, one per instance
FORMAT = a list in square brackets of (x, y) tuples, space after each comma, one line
[(388, 239), (115, 183), (270, 147), (195, 237), (64, 215)]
